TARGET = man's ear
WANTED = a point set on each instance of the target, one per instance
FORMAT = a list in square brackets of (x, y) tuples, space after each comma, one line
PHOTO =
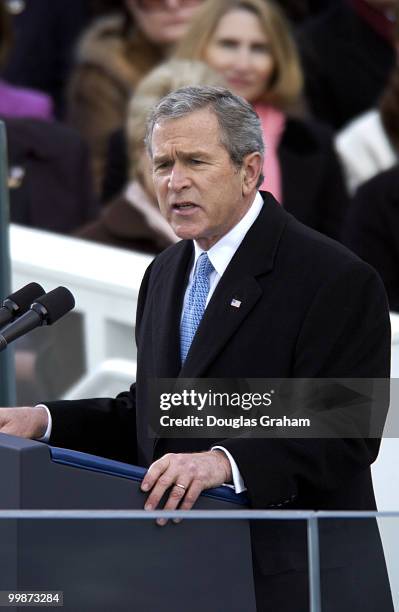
[(250, 171)]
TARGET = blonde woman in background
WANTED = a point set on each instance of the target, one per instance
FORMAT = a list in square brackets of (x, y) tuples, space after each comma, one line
[(249, 43), (132, 220)]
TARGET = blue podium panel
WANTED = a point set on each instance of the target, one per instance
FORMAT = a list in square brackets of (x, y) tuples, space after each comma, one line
[(115, 565)]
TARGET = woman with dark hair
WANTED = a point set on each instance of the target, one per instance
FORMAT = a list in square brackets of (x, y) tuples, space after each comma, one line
[(112, 57), (18, 101), (249, 43)]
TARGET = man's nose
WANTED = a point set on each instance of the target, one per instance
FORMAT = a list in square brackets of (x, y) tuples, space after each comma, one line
[(178, 179)]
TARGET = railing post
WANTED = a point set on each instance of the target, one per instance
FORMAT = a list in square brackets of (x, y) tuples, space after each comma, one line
[(314, 564), (7, 372)]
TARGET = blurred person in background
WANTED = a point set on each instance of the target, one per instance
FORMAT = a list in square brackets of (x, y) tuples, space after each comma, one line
[(298, 11), (370, 143), (112, 57), (116, 165), (347, 55), (372, 229), (133, 220), (45, 32), (17, 101), (49, 176), (249, 43)]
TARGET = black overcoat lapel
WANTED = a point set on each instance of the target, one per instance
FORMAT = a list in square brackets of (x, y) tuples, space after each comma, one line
[(240, 283), (168, 302)]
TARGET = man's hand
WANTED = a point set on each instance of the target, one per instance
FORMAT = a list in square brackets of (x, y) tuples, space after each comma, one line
[(193, 472), (25, 422)]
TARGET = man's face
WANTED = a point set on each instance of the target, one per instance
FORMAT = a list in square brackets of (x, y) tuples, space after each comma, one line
[(200, 192)]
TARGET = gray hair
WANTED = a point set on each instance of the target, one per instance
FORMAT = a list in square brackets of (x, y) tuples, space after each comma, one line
[(163, 79), (240, 127)]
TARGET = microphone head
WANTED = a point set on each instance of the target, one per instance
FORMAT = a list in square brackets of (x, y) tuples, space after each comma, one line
[(24, 297), (57, 303)]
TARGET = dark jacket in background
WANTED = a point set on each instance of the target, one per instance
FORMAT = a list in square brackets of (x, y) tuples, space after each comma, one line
[(121, 225), (346, 64), (116, 171), (372, 229), (45, 32), (298, 11), (49, 176), (313, 187)]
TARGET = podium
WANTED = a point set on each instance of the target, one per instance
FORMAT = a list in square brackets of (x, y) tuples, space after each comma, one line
[(119, 564)]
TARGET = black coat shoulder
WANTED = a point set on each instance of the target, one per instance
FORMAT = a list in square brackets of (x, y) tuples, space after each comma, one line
[(313, 184), (372, 228)]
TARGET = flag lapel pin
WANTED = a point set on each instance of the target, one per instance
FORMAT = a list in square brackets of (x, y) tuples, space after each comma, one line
[(235, 303)]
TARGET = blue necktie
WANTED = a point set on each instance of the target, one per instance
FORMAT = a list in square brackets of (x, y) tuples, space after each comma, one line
[(195, 303)]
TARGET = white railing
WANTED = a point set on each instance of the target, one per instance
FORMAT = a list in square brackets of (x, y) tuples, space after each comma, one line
[(104, 280), (395, 345)]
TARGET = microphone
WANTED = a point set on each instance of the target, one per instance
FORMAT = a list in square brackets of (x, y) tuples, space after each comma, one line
[(44, 311), (18, 302)]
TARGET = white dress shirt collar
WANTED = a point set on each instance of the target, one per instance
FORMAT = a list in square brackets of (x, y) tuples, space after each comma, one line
[(221, 253)]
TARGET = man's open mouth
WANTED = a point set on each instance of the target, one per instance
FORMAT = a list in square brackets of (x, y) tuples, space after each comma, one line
[(184, 206)]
